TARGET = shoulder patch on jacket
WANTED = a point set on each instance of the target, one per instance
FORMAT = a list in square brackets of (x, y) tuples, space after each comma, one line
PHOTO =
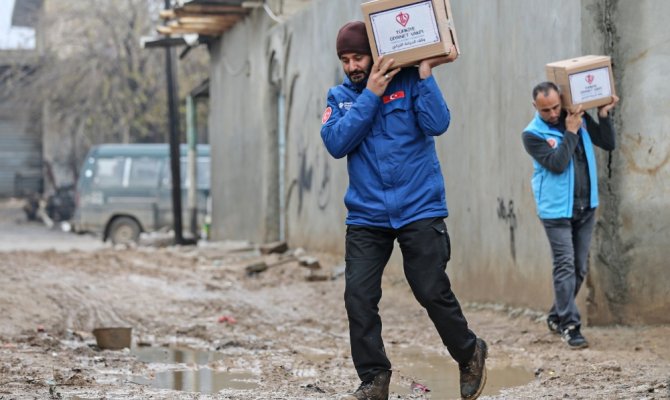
[(552, 143), (326, 115), (400, 94)]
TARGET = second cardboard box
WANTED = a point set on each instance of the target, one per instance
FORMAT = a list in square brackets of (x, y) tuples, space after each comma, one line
[(586, 80)]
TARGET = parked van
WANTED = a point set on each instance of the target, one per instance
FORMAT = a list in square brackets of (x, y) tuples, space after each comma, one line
[(125, 189)]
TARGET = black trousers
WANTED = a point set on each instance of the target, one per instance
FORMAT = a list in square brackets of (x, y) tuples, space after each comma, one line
[(425, 249)]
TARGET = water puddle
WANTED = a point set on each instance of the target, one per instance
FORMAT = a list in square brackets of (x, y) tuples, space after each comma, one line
[(175, 355), (201, 380), (439, 373)]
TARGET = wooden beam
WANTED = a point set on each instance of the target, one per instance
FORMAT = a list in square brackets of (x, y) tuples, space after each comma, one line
[(180, 24), (199, 27), (205, 19), (209, 20), (171, 30), (180, 13), (211, 9), (167, 14)]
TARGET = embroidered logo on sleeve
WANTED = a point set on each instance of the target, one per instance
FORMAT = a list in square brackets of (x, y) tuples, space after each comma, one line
[(395, 96), (552, 143), (326, 115)]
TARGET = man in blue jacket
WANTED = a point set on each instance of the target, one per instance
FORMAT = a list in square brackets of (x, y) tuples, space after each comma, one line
[(565, 186), (384, 120)]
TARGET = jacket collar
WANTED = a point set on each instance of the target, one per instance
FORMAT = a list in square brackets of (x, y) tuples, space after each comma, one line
[(356, 87)]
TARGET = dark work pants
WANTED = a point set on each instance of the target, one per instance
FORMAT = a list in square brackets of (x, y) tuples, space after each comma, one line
[(426, 249), (569, 239)]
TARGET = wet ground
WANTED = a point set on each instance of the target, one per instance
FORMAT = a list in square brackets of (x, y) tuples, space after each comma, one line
[(204, 327), (17, 233)]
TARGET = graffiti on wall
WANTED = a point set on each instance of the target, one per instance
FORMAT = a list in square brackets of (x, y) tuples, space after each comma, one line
[(313, 178), (323, 194), (506, 214)]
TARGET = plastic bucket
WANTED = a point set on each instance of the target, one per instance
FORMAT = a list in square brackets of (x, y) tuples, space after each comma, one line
[(112, 338)]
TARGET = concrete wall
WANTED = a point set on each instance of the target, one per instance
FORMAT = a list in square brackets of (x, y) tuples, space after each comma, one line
[(243, 135), (316, 182), (500, 253), (630, 281)]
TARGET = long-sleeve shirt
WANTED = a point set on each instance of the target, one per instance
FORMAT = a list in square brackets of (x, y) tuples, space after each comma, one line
[(572, 148)]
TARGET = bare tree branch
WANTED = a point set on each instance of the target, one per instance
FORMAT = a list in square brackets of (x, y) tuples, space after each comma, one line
[(100, 85)]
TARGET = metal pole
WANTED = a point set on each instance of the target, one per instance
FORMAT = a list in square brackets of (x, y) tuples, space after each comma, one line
[(173, 108), (192, 165)]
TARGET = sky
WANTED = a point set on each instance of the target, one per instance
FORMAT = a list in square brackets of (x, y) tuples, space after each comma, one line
[(13, 37)]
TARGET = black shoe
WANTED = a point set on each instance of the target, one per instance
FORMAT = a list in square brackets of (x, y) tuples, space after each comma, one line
[(473, 374), (376, 389), (552, 324), (574, 338)]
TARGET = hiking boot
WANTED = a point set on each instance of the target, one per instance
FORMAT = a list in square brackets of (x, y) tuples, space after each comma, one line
[(473, 374), (552, 324), (376, 389), (573, 337)]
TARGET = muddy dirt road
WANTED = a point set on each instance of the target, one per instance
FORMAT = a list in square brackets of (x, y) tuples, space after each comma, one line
[(204, 328)]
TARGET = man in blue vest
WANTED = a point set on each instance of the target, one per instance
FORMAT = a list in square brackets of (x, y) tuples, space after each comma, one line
[(384, 120), (565, 186)]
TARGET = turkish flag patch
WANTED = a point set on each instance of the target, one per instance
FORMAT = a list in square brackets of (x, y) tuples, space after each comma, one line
[(326, 115), (400, 94)]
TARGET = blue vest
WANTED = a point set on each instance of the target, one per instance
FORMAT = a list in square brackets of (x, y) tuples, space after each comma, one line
[(554, 193)]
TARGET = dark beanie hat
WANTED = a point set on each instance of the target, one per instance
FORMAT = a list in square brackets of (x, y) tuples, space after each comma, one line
[(353, 38)]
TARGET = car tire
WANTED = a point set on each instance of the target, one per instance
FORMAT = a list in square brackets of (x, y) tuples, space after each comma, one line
[(124, 230)]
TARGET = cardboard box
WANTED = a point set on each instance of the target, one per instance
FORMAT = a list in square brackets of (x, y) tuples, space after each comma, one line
[(409, 30), (586, 80)]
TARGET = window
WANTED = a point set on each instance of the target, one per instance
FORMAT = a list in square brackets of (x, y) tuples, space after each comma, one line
[(144, 172), (109, 172), (203, 173)]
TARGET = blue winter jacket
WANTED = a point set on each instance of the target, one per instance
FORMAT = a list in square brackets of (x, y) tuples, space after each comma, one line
[(554, 192), (394, 172)]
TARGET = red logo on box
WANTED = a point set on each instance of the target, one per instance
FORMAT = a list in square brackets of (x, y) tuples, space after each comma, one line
[(402, 18), (590, 78), (395, 96), (326, 115)]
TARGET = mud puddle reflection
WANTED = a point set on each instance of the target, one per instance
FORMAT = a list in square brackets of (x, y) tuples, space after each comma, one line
[(439, 373), (200, 379)]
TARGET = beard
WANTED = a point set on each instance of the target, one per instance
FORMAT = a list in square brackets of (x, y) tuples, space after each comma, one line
[(358, 76)]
